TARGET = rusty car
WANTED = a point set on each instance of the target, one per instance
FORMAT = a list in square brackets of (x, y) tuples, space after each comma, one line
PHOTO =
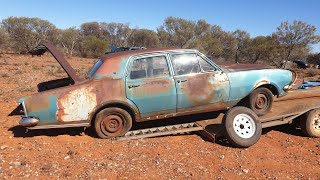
[(128, 87)]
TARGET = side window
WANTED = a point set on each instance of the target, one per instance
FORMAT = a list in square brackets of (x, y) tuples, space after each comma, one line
[(150, 67), (185, 64), (205, 66)]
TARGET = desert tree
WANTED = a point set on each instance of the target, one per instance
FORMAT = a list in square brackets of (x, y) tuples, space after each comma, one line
[(91, 46), (28, 32), (179, 31), (116, 33), (260, 48), (69, 39), (144, 37), (294, 36), (241, 38), (90, 29), (4, 39)]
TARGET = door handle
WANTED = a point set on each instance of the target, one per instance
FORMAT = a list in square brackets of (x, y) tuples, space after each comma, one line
[(133, 86), (180, 81)]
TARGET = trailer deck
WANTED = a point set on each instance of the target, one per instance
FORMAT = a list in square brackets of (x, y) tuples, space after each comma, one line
[(284, 111)]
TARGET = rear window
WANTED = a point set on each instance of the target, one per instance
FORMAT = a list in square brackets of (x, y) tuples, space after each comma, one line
[(94, 69)]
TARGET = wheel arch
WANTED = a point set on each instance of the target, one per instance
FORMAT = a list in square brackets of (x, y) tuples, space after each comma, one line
[(273, 88), (131, 109), (266, 84)]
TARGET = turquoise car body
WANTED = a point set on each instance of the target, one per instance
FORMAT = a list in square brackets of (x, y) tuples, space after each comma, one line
[(74, 101)]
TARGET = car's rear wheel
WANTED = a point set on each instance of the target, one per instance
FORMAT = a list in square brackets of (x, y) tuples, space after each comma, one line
[(260, 101), (112, 122)]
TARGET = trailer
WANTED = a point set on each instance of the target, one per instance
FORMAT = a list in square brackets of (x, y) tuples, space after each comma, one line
[(242, 127)]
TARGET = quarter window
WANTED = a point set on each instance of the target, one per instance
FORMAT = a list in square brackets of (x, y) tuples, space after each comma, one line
[(185, 64), (205, 66), (150, 67)]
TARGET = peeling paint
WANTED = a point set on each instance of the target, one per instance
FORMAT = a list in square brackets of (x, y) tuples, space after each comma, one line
[(76, 105)]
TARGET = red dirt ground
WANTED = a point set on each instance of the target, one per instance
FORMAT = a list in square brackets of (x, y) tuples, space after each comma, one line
[(282, 152)]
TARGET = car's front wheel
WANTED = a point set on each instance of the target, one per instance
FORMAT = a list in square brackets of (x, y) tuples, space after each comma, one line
[(112, 122), (260, 101)]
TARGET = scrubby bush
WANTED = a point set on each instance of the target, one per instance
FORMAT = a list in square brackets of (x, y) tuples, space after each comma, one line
[(91, 46), (312, 72)]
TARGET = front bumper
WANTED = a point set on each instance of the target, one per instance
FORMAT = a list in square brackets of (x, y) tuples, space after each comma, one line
[(28, 121)]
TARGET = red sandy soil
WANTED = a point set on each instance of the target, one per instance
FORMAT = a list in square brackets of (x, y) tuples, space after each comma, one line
[(282, 152)]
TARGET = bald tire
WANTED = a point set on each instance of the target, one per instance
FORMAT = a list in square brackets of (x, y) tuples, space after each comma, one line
[(264, 94), (113, 116)]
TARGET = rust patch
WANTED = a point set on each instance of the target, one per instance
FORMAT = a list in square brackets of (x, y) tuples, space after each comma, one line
[(201, 109), (260, 83), (110, 65), (153, 88), (199, 89), (37, 102), (76, 105)]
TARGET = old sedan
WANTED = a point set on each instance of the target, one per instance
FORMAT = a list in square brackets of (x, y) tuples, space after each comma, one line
[(133, 86)]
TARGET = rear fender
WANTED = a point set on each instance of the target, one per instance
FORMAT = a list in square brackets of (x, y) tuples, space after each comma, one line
[(126, 105)]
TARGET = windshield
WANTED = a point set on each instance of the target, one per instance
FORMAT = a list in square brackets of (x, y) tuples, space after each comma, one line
[(94, 69)]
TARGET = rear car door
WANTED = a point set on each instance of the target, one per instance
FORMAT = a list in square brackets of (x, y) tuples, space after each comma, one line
[(201, 86), (150, 85)]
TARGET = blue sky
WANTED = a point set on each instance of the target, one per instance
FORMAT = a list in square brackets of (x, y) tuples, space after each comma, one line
[(253, 16)]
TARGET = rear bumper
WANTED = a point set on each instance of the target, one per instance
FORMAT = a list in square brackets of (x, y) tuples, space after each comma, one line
[(28, 121)]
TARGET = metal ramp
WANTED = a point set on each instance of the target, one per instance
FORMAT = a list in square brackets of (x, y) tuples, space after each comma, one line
[(164, 130)]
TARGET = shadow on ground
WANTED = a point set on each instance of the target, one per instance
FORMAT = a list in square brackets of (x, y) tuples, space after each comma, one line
[(20, 131)]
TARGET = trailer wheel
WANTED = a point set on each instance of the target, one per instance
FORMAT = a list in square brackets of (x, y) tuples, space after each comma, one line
[(260, 101), (242, 127), (112, 122), (310, 123)]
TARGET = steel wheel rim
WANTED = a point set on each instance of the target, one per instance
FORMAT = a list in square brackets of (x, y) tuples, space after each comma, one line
[(112, 124), (261, 101), (316, 122), (244, 126)]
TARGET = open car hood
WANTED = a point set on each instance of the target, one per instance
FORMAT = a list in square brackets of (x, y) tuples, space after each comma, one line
[(41, 49)]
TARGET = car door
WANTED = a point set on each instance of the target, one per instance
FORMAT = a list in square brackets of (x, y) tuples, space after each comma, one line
[(150, 85), (201, 86)]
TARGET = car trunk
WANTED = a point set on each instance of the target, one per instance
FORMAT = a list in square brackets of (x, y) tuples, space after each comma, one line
[(53, 84)]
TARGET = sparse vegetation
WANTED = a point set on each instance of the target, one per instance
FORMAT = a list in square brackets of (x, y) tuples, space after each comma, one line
[(4, 75), (311, 72), (60, 70), (18, 71), (35, 67), (290, 41), (4, 62), (55, 70), (25, 89)]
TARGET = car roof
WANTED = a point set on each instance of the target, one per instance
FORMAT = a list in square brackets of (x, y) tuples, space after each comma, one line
[(123, 54)]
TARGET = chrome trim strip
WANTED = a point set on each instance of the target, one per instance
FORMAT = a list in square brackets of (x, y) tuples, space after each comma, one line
[(24, 109), (60, 126)]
